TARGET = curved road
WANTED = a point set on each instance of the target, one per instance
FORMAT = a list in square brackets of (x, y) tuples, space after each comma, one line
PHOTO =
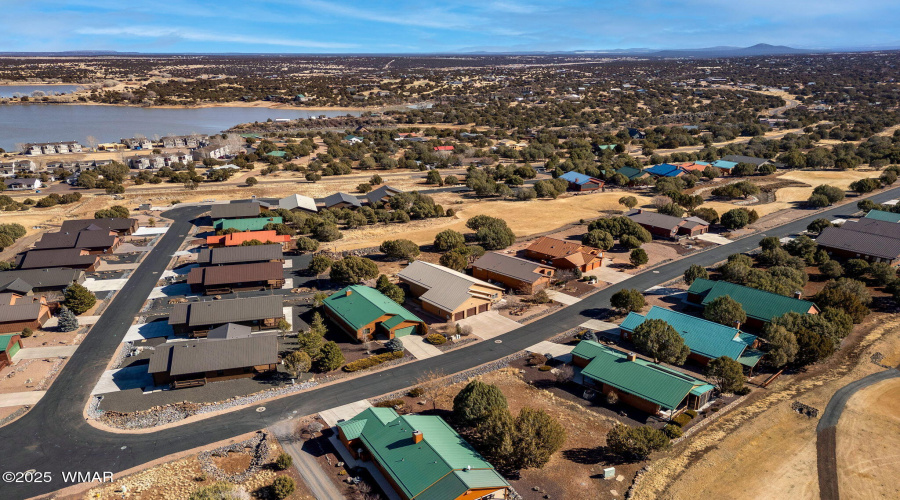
[(54, 437), (826, 432)]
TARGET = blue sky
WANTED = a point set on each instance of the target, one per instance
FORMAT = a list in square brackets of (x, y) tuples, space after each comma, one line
[(401, 26)]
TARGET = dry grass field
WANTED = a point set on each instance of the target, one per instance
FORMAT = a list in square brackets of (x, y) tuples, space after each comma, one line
[(764, 449), (868, 443)]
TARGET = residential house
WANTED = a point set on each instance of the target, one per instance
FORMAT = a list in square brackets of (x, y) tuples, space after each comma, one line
[(563, 254), (664, 170), (241, 237), (633, 174), (198, 362), (883, 216), (443, 149), (341, 200), (235, 210), (381, 194), (364, 313), (668, 226), (198, 318), (870, 239), (50, 148), (446, 293), (760, 306), (249, 224), (18, 312), (352, 139), (421, 456), (650, 387), (296, 201), (706, 340), (725, 165), (213, 151), (118, 225), (184, 141), (256, 276), (10, 344), (29, 281), (581, 182), (693, 166), (751, 159), (75, 258), (524, 276), (240, 255), (636, 134), (22, 184), (96, 241), (137, 143), (17, 167)]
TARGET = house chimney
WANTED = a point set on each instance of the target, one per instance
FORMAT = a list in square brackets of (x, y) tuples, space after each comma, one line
[(417, 437), (632, 356), (737, 325), (798, 294), (348, 293), (640, 210)]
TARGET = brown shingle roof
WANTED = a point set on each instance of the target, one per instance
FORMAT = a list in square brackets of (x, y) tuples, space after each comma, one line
[(81, 239), (231, 255), (218, 312), (553, 247), (63, 257), (873, 245), (654, 219), (116, 224), (238, 273), (514, 267), (235, 210), (201, 356)]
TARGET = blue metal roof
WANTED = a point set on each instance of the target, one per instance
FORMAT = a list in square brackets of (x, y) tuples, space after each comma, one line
[(726, 165), (664, 170), (576, 178)]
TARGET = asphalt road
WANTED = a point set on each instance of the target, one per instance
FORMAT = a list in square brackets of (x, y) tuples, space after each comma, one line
[(54, 437)]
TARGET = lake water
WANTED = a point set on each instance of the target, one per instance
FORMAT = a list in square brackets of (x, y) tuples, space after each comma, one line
[(19, 90), (22, 123)]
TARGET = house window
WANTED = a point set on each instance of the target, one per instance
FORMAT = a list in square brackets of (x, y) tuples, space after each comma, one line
[(220, 373), (366, 331)]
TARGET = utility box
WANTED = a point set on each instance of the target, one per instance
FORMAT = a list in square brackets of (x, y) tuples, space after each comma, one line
[(609, 473)]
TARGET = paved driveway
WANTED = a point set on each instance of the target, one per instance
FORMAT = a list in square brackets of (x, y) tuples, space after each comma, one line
[(609, 275), (82, 321), (601, 326), (489, 324), (46, 352), (131, 377), (150, 231), (344, 412), (563, 298), (713, 238), (552, 349), (417, 346), (176, 290), (95, 285), (20, 398), (143, 331)]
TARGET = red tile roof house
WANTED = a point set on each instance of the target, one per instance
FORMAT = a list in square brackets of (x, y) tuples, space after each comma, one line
[(443, 148), (563, 254), (667, 226), (9, 346), (18, 312)]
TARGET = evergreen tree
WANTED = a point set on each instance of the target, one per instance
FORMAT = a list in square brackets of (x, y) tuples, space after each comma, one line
[(475, 401), (68, 322), (330, 357), (78, 298)]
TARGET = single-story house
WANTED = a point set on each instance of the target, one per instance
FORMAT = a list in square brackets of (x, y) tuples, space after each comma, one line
[(650, 387), (62, 257), (9, 346), (229, 331), (581, 182), (118, 225), (664, 170), (421, 456), (883, 216), (761, 306), (18, 312), (751, 159), (235, 210), (693, 166), (240, 255), (300, 201), (632, 173), (668, 226), (381, 194), (869, 239), (98, 241), (250, 224), (22, 184), (446, 293), (198, 318), (707, 340), (197, 362), (28, 281), (724, 165), (364, 312), (215, 280), (522, 275), (241, 237), (636, 134), (341, 200), (563, 254)]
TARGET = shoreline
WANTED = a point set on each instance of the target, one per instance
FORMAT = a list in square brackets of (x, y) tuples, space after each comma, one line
[(229, 104)]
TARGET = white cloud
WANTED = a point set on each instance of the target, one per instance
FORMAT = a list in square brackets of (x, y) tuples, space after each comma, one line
[(203, 36)]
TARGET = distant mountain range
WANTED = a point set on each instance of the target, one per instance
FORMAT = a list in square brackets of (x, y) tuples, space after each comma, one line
[(760, 49)]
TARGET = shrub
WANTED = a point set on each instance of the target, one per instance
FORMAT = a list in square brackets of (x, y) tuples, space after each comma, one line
[(628, 300), (694, 272), (435, 339), (399, 249), (297, 362), (636, 442), (672, 431), (681, 419), (284, 461), (362, 364), (319, 264), (416, 392), (68, 322), (394, 345), (476, 401), (353, 269), (27, 332), (305, 244), (545, 368), (283, 486), (736, 218), (389, 403), (692, 413), (629, 241), (448, 239), (217, 491), (330, 357), (536, 359), (589, 335), (638, 257)]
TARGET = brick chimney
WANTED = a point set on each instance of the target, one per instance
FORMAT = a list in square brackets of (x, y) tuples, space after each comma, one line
[(640, 210), (348, 293), (417, 437), (632, 356), (737, 325), (798, 294)]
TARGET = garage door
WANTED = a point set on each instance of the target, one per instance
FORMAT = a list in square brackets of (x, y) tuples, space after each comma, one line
[(483, 308), (458, 316), (403, 332), (13, 350), (472, 312)]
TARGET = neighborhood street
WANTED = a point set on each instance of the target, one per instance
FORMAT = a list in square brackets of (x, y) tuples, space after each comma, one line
[(54, 436)]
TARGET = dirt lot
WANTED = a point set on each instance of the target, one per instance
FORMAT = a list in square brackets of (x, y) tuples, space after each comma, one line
[(868, 440), (26, 375), (774, 446), (178, 478)]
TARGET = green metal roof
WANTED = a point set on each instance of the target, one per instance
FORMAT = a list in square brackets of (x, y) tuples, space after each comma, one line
[(435, 468), (366, 304), (699, 391), (352, 428), (758, 304), (4, 341), (649, 381), (702, 337), (630, 172), (251, 224), (750, 357), (882, 215), (278, 154)]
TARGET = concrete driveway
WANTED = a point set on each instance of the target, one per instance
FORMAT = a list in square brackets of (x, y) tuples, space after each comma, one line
[(20, 398), (553, 350), (609, 275), (562, 298), (489, 324), (417, 346), (143, 331), (713, 238), (95, 285), (121, 379), (82, 321), (176, 290), (46, 352), (150, 231), (344, 412)]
